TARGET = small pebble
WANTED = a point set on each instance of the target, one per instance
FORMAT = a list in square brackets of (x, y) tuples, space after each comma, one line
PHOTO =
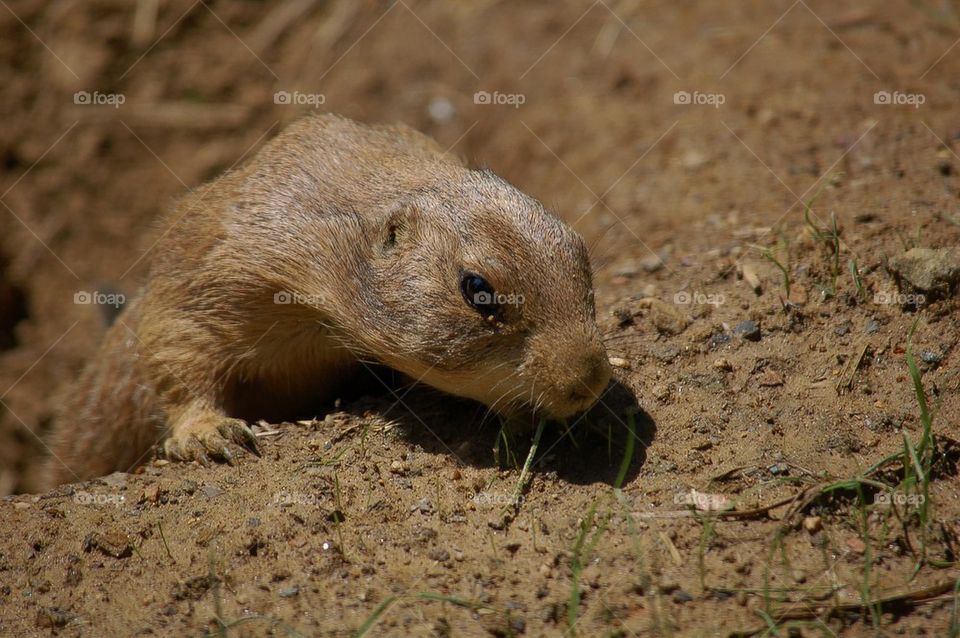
[(856, 545), (770, 378), (439, 555), (211, 491), (665, 352), (842, 329), (813, 524), (681, 597), (518, 625), (872, 327), (618, 362), (749, 330), (650, 290), (719, 339), (441, 110), (152, 493), (930, 357), (425, 505), (651, 263), (798, 296)]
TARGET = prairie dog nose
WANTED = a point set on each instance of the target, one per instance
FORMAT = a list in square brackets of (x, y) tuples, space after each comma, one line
[(595, 375)]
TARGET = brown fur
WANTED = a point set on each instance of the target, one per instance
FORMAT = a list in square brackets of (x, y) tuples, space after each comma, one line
[(369, 227)]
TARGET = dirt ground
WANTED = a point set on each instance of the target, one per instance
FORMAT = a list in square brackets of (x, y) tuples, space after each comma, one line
[(784, 478)]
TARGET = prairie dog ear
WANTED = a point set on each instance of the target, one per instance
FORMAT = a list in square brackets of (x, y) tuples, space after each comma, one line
[(398, 224)]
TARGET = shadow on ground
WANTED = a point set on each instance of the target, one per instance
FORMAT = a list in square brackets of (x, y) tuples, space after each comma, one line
[(590, 448)]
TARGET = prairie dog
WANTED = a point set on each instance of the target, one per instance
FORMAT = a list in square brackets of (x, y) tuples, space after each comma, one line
[(338, 243)]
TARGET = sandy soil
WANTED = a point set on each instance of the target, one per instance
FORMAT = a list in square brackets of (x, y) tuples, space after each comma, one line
[(685, 141)]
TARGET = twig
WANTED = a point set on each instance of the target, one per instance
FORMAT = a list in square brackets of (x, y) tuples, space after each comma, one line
[(812, 609)]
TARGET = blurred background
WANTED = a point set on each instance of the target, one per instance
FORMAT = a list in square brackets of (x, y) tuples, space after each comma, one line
[(660, 129)]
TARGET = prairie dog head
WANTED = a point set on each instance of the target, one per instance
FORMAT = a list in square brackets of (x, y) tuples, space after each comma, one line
[(479, 292)]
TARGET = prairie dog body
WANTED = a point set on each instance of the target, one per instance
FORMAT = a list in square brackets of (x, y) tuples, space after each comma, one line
[(337, 243)]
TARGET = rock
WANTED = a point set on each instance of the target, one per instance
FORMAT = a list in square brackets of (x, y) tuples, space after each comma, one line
[(842, 329), (935, 271), (52, 617), (856, 545), (628, 269), (723, 364), (618, 362), (719, 339), (117, 480), (929, 357), (211, 491), (770, 378), (748, 330), (681, 597), (424, 505), (797, 296), (441, 110), (151, 493), (650, 290), (665, 352), (813, 524), (693, 159), (112, 543), (667, 318), (651, 263), (872, 327), (289, 592), (439, 555)]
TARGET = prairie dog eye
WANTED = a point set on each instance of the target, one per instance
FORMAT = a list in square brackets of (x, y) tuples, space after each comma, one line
[(479, 294)]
